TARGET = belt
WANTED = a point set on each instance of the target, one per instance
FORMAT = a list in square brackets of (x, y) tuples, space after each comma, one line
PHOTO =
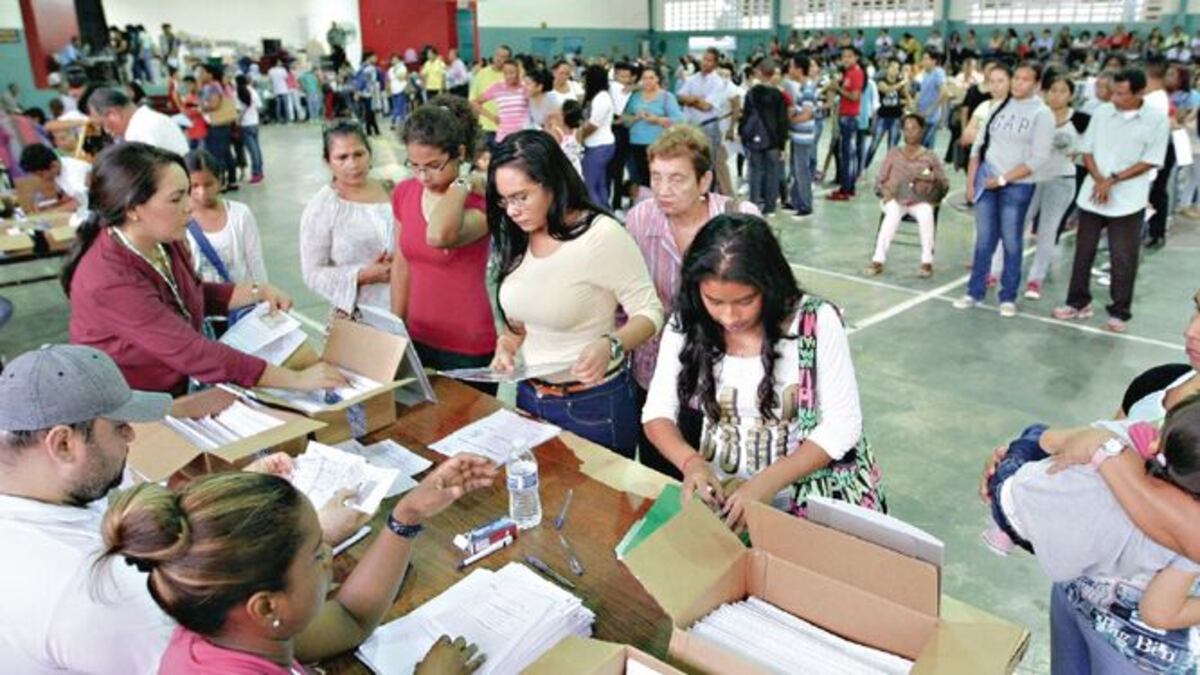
[(561, 389)]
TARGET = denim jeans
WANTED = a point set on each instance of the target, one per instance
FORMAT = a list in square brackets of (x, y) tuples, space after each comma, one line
[(1023, 450), (399, 108), (999, 217), (889, 126), (819, 124), (315, 102), (606, 414), (283, 109), (595, 171), (931, 126), (848, 132), (802, 177), (764, 179), (219, 142), (1076, 647), (253, 148)]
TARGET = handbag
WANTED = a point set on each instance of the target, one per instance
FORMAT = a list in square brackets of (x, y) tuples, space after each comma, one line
[(224, 115)]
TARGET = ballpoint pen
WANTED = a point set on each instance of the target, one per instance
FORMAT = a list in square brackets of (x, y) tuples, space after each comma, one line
[(572, 559), (542, 567), (562, 512)]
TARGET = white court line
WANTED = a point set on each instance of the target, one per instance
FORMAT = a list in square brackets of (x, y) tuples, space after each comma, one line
[(907, 305), (851, 277)]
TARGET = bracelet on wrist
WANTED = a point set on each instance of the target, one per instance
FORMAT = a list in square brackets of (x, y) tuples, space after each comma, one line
[(403, 530)]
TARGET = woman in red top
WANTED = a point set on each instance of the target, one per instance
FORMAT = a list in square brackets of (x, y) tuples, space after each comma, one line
[(191, 109), (134, 295), (439, 279)]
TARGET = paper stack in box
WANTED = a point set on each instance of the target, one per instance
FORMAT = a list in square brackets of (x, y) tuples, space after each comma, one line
[(513, 616)]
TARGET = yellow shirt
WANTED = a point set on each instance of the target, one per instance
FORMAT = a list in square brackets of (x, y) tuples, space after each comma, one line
[(480, 81), (434, 74)]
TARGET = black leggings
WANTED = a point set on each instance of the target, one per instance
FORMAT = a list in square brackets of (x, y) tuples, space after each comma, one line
[(641, 164)]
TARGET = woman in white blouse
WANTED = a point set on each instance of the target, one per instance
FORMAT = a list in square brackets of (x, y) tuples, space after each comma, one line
[(346, 229), (774, 438), (222, 234), (599, 142), (564, 267)]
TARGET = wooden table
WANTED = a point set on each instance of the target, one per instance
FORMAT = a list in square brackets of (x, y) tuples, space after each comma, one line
[(611, 493)]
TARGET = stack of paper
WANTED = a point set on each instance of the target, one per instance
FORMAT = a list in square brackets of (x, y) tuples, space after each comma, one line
[(497, 436), (517, 374), (388, 454), (232, 424), (323, 470), (513, 616), (271, 336), (315, 401), (781, 643)]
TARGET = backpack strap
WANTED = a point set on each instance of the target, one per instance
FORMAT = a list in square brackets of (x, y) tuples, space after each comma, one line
[(207, 250)]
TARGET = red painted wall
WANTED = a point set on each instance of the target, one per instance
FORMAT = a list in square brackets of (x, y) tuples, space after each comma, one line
[(49, 26), (391, 26)]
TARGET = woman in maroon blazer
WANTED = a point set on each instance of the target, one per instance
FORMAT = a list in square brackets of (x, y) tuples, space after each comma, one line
[(133, 292)]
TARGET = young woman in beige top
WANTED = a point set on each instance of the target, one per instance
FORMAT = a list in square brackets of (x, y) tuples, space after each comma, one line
[(565, 266)]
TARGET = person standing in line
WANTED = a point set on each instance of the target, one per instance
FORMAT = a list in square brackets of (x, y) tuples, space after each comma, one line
[(1156, 97), (650, 111), (511, 101), (249, 103), (397, 81), (223, 234), (1056, 187), (931, 96), (1015, 143), (893, 95), (433, 73), (482, 80), (700, 96), (599, 142), (1114, 195), (802, 132), (850, 95), (541, 105), (279, 90), (314, 100), (764, 130), (458, 78), (221, 115)]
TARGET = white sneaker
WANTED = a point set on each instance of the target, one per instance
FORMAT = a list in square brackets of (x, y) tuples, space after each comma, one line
[(1008, 309), (966, 302), (1104, 280)]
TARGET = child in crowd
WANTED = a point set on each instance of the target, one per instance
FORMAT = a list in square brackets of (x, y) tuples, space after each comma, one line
[(1074, 524), (565, 128)]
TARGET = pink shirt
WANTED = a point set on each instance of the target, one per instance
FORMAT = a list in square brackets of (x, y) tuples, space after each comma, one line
[(190, 654), (448, 307), (512, 106), (652, 232)]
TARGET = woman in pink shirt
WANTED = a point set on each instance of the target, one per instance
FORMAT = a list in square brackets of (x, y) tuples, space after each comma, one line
[(442, 238), (512, 102), (238, 560)]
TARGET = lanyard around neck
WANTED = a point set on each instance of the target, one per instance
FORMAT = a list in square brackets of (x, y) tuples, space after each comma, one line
[(166, 274)]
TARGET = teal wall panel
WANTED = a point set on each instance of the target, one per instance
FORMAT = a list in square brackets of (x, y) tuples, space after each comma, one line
[(14, 67), (595, 40)]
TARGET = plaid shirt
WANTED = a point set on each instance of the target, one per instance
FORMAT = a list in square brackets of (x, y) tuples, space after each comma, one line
[(652, 232)]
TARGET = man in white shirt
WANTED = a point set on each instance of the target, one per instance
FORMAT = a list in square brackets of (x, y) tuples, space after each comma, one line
[(703, 97), (283, 97), (64, 435), (113, 110), (70, 178)]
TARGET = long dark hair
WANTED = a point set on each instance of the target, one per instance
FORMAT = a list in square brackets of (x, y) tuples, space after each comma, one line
[(124, 176), (595, 81), (539, 156), (243, 90), (739, 248), (987, 126)]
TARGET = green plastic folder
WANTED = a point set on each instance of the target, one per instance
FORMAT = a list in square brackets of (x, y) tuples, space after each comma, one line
[(663, 509)]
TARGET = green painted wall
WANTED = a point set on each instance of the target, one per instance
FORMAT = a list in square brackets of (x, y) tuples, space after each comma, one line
[(14, 67)]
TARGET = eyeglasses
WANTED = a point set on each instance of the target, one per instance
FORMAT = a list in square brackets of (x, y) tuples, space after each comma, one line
[(515, 202), (426, 169)]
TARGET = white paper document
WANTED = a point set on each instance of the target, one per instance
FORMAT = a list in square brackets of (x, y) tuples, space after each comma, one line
[(232, 424), (314, 401), (513, 616), (496, 436), (260, 328), (517, 374), (782, 643), (388, 454), (323, 470)]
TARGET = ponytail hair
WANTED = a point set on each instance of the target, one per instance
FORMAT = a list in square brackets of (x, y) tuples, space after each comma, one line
[(124, 177), (210, 546)]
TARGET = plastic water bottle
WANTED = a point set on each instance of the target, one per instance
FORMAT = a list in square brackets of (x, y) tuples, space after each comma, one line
[(524, 503)]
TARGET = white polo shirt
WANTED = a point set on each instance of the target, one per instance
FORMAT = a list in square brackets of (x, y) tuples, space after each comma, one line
[(154, 128), (57, 615)]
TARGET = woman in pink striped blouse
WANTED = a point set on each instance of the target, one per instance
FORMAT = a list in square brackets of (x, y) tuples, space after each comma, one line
[(512, 102)]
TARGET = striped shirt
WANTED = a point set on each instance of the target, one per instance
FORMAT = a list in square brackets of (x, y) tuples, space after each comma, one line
[(650, 229), (512, 106)]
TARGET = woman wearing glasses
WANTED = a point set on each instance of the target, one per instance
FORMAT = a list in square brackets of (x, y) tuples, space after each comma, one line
[(346, 228), (564, 267), (442, 241)]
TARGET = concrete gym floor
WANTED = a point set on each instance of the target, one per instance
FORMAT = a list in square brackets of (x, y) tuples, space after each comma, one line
[(940, 387)]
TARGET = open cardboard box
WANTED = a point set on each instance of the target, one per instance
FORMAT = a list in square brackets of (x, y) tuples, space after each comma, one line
[(877, 586), (158, 452), (371, 353), (586, 656), (15, 244)]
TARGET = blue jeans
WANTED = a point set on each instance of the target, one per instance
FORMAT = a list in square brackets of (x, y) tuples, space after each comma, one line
[(1023, 450), (607, 414), (889, 126), (819, 123), (314, 101), (764, 179), (999, 217), (848, 132), (802, 157), (219, 142), (1076, 647), (931, 124), (595, 171), (253, 148), (399, 108)]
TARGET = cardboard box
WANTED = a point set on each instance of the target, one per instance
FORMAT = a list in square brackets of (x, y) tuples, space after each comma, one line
[(585, 656), (158, 452), (15, 244), (371, 353), (851, 585)]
